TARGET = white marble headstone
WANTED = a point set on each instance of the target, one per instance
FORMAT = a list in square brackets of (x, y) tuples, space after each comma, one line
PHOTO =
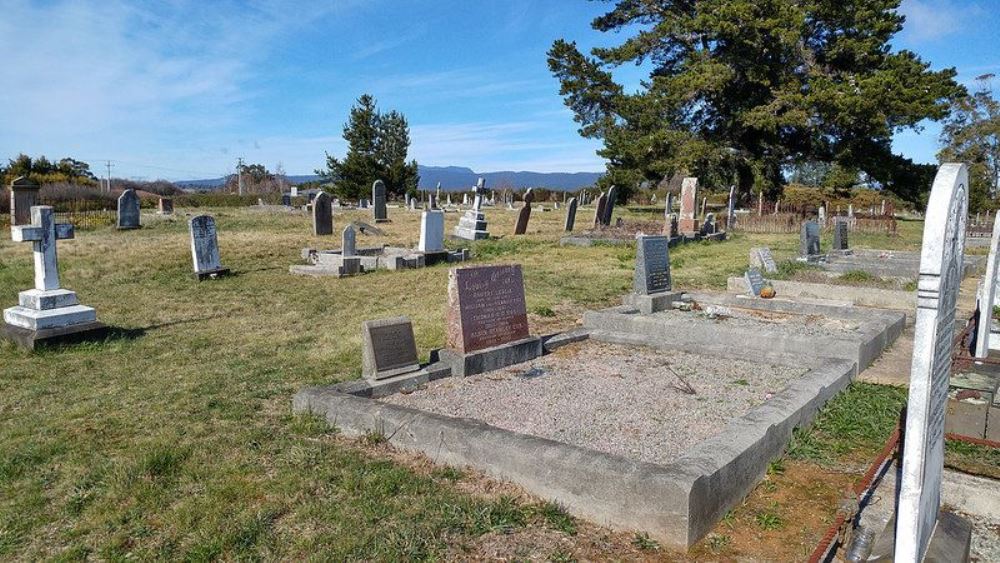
[(431, 231), (987, 294), (937, 292)]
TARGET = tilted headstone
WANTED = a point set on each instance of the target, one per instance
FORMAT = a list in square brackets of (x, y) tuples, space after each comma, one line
[(165, 206), (609, 205), (486, 307), (602, 202), (128, 210), (688, 225), (322, 212), (431, 231), (389, 348), (525, 214), (731, 208), (570, 215), (348, 242), (840, 235), (47, 306), (987, 294), (652, 265), (755, 281), (761, 258), (941, 267), (378, 197), (23, 196), (809, 240), (205, 247)]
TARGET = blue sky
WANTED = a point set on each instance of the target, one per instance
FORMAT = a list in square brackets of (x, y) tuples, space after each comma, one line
[(179, 90)]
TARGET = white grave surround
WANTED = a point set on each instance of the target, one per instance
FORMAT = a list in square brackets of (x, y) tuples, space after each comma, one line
[(47, 306), (431, 231), (937, 292), (987, 294)]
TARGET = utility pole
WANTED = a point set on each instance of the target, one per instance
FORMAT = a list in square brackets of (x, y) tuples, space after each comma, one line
[(109, 165), (239, 178)]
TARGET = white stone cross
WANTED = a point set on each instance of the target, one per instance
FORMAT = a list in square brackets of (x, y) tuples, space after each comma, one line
[(480, 191), (43, 232)]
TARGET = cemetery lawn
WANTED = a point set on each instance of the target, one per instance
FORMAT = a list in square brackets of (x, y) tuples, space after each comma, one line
[(175, 438)]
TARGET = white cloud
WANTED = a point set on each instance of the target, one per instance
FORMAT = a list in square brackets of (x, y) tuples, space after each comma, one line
[(932, 20)]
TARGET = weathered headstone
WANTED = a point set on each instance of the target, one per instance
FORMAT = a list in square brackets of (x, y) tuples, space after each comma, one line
[(840, 235), (809, 240), (389, 348), (602, 202), (668, 209), (205, 247), (987, 294), (525, 214), (128, 210), (937, 293), (731, 208), (672, 226), (23, 196), (165, 206), (609, 205), (431, 231), (755, 281), (689, 200), (486, 307), (821, 215), (761, 258), (322, 211), (378, 197), (570, 215), (286, 200), (652, 265), (348, 242), (709, 227), (46, 312)]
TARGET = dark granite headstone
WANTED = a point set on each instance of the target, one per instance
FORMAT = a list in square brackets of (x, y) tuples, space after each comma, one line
[(486, 307), (389, 348), (809, 239), (652, 265), (840, 240), (322, 209), (602, 202), (609, 206), (570, 215), (755, 281), (378, 200), (522, 219), (128, 210)]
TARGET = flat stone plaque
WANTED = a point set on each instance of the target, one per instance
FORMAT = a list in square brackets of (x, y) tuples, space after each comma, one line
[(389, 348), (486, 307), (652, 265), (755, 281)]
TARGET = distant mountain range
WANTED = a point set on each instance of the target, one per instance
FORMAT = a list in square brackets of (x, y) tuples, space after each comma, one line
[(454, 178)]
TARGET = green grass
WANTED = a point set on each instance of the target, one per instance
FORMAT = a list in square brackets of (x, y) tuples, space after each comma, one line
[(174, 439)]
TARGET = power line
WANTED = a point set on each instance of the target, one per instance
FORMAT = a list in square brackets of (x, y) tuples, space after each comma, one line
[(109, 175)]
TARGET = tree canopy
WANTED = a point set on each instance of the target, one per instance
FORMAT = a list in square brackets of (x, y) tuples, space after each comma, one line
[(377, 146), (742, 89), (41, 171), (971, 134)]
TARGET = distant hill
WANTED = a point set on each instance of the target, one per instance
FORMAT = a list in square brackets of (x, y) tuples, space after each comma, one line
[(454, 178)]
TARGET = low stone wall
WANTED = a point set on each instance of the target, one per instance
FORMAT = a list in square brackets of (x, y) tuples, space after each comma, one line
[(864, 296)]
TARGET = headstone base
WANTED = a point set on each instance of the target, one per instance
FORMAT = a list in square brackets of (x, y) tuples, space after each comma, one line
[(129, 228), (34, 339), (212, 274), (951, 541), (45, 319), (847, 252), (489, 359), (689, 227), (655, 302), (383, 221)]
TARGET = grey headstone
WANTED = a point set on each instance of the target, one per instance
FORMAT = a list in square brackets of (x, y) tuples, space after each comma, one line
[(378, 198), (761, 258), (652, 265), (609, 206), (322, 210), (840, 231), (809, 239), (755, 281), (128, 210), (204, 244), (389, 348), (348, 246), (570, 215), (602, 202)]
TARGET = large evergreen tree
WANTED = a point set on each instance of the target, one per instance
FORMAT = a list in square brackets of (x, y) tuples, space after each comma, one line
[(377, 146), (746, 88), (971, 134)]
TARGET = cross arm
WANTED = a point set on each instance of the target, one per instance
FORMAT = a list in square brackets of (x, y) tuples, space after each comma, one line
[(64, 231), (25, 233)]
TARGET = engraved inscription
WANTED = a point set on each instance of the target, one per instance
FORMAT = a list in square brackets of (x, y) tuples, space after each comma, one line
[(393, 346), (490, 307)]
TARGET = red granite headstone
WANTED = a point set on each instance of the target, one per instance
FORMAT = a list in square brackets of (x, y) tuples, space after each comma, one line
[(486, 307), (689, 201)]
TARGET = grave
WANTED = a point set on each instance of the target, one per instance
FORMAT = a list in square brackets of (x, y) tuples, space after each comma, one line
[(487, 320), (378, 198), (754, 281), (809, 242), (322, 215), (128, 210), (47, 314), (761, 258), (389, 349), (205, 248), (472, 225), (688, 225), (651, 285), (23, 196), (570, 215), (609, 206), (165, 206), (524, 215), (840, 237), (602, 204)]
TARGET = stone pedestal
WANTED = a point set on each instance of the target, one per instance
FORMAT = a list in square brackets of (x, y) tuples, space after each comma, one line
[(49, 316), (689, 227), (472, 226), (653, 303)]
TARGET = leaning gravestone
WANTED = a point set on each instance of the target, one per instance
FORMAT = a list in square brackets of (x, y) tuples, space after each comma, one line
[(389, 348), (652, 265), (609, 205), (809, 241), (941, 260), (431, 231), (205, 248), (378, 197), (761, 258), (602, 203), (128, 210), (755, 281), (987, 295), (570, 215), (525, 214), (731, 208), (322, 210)]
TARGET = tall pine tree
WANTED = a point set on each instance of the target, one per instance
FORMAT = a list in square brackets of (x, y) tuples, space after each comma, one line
[(744, 89)]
